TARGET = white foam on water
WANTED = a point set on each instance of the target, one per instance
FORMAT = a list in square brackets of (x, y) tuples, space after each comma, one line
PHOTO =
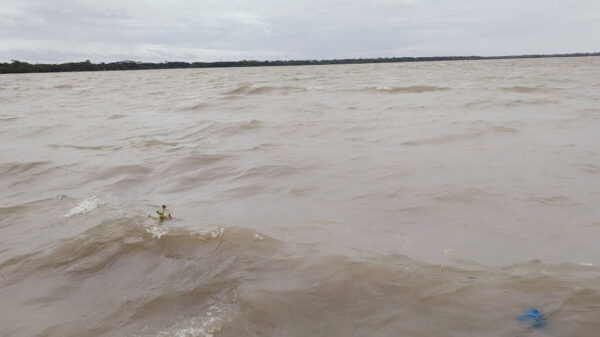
[(209, 233), (205, 326), (217, 232), (157, 231), (587, 264), (85, 206)]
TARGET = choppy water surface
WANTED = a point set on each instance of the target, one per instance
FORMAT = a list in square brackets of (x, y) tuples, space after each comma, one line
[(416, 199)]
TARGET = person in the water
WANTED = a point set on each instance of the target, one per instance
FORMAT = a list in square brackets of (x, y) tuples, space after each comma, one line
[(164, 215)]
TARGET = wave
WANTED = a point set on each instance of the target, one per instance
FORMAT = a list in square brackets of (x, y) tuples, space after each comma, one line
[(8, 118), (589, 113), (267, 171), (134, 274), (85, 147), (150, 142), (18, 168), (208, 130), (519, 102), (588, 168), (480, 103), (455, 194), (117, 116), (121, 279), (190, 171), (527, 90), (480, 129), (197, 107), (555, 200), (247, 89), (63, 86), (409, 89), (85, 206)]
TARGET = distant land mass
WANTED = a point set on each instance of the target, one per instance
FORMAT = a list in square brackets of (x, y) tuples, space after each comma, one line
[(24, 67)]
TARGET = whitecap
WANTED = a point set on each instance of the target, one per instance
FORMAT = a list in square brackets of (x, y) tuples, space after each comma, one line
[(85, 206), (157, 231), (205, 326), (217, 232)]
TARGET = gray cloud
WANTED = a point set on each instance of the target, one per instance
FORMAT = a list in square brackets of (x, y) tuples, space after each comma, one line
[(69, 30)]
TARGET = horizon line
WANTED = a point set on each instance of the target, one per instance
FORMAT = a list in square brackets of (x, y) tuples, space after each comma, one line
[(17, 66)]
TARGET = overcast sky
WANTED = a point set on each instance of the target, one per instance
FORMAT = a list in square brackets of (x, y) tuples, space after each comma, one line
[(211, 30)]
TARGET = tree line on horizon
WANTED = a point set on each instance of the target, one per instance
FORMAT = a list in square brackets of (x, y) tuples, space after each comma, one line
[(24, 67)]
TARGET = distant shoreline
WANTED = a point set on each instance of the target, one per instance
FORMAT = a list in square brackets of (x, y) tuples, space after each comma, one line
[(16, 67)]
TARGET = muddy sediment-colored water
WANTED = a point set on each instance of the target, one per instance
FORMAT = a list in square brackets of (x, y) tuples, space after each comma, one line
[(406, 199)]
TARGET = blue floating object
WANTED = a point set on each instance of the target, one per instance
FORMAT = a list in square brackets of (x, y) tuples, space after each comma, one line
[(536, 318)]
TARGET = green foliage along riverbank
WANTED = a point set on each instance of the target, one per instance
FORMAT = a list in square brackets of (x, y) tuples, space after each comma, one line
[(24, 67)]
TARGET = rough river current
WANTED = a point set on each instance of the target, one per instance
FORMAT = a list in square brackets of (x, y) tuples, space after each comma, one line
[(405, 199)]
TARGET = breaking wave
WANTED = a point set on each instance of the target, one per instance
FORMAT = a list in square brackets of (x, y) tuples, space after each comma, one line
[(232, 281), (85, 206)]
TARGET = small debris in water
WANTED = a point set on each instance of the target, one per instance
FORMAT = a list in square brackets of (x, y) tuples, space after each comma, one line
[(534, 317), (164, 215)]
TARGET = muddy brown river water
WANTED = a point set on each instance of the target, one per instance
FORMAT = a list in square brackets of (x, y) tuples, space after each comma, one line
[(406, 199)]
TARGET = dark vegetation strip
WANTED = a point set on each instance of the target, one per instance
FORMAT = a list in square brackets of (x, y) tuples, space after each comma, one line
[(24, 67)]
